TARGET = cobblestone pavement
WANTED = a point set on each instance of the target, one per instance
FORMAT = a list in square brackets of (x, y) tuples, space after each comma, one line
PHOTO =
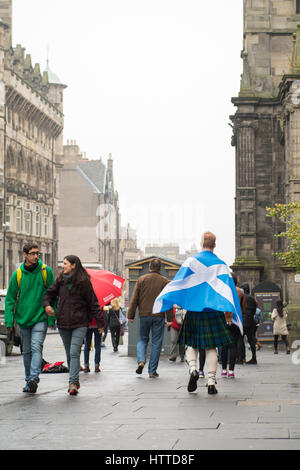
[(119, 410)]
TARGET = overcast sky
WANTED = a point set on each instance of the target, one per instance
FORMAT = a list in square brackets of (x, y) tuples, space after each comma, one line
[(151, 82)]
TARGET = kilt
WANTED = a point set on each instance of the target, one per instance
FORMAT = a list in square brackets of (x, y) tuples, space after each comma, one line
[(205, 330)]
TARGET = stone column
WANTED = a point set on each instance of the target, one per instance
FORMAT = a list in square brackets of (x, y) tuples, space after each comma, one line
[(246, 263)]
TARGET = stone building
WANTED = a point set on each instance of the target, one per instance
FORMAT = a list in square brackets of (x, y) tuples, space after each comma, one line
[(89, 218), (266, 135), (31, 126)]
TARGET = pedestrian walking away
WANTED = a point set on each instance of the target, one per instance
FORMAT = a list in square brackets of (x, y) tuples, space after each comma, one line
[(176, 349), (229, 352), (249, 323), (93, 331), (279, 316), (198, 289), (77, 305), (24, 305), (115, 323), (146, 289)]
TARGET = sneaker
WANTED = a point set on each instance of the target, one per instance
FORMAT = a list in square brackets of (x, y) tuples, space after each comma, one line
[(212, 390), (201, 374), (231, 375), (192, 385), (140, 367), (32, 385), (73, 389), (154, 375), (224, 373), (26, 389)]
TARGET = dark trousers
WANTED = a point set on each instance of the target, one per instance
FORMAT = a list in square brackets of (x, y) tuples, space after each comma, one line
[(87, 346), (284, 339), (115, 336), (202, 357), (229, 352), (249, 331)]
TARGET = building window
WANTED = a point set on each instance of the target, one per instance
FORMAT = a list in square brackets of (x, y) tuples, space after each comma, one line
[(45, 224), (298, 7), (37, 220), (27, 220), (19, 220)]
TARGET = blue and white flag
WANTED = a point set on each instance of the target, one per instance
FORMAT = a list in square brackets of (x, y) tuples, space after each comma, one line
[(203, 283)]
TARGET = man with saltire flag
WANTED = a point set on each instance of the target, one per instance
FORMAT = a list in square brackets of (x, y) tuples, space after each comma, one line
[(205, 288)]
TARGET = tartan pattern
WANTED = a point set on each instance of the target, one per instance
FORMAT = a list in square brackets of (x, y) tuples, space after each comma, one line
[(205, 330)]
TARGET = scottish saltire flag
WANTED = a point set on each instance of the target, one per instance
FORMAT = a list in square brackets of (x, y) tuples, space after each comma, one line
[(203, 283)]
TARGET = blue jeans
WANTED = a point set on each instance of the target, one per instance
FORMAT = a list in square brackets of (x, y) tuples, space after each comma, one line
[(87, 346), (73, 340), (32, 348), (156, 325)]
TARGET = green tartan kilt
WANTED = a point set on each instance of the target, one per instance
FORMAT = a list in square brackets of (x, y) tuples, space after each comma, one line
[(205, 330)]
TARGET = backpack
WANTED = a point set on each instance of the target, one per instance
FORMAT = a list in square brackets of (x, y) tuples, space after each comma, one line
[(44, 274), (258, 316)]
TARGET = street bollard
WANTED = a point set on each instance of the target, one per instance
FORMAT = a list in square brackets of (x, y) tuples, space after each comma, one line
[(2, 353)]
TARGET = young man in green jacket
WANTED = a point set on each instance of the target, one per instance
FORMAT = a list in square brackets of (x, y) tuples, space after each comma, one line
[(23, 304)]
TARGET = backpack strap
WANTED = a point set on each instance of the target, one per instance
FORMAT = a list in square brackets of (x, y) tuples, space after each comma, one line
[(19, 277), (44, 275)]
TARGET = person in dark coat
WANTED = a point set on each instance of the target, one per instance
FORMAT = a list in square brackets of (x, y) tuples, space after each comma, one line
[(77, 305), (114, 323), (249, 323)]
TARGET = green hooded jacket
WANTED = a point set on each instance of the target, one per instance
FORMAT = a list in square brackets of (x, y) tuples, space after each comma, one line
[(29, 310)]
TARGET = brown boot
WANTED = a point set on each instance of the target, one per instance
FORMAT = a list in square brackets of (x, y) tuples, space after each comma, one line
[(73, 389), (97, 369)]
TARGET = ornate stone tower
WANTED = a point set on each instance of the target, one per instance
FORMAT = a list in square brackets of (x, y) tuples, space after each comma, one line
[(266, 135), (31, 130)]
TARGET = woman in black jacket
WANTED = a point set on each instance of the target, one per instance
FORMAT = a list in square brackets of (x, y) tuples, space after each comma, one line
[(77, 305)]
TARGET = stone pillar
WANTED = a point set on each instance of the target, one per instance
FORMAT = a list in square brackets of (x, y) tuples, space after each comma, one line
[(246, 264), (293, 155)]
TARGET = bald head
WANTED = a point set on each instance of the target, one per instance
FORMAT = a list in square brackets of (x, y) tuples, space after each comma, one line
[(208, 241)]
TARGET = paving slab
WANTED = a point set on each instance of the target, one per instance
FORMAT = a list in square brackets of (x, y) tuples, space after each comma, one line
[(118, 410)]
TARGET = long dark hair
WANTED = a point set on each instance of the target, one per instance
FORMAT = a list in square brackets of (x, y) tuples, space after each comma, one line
[(279, 307), (80, 278)]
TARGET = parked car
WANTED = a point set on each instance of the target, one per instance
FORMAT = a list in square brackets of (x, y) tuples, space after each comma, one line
[(12, 338)]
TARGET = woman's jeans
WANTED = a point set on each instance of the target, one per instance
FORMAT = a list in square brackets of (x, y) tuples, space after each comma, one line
[(175, 347), (87, 346), (32, 348), (156, 325), (73, 340)]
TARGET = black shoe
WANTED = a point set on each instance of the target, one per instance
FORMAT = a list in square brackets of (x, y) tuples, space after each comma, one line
[(192, 385), (172, 359), (253, 361), (212, 390)]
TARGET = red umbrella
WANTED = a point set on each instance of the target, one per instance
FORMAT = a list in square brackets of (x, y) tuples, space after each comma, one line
[(107, 285)]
